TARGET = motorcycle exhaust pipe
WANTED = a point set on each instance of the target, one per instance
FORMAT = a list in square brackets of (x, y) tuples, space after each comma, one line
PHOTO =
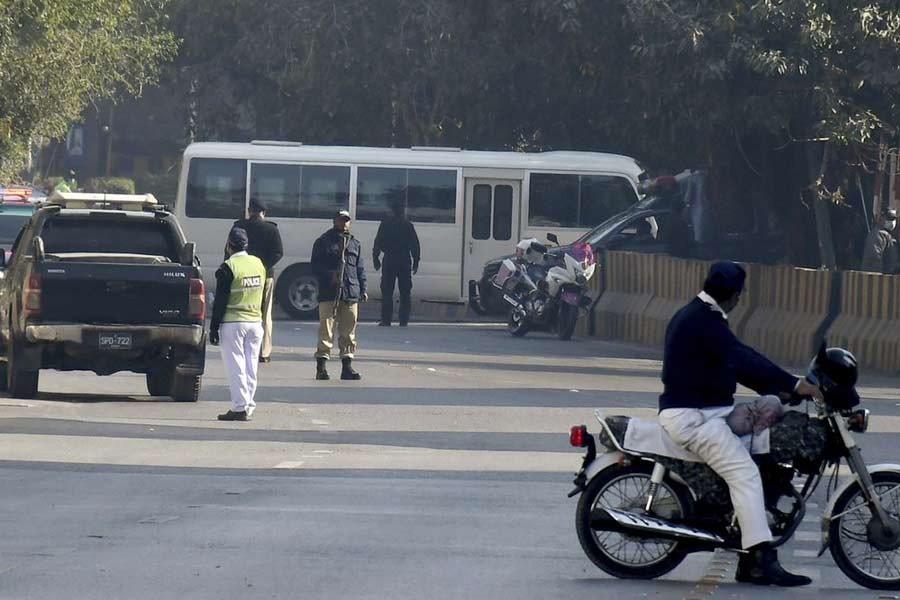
[(612, 519)]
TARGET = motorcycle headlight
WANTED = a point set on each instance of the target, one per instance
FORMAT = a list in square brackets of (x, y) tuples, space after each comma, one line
[(581, 280), (858, 420)]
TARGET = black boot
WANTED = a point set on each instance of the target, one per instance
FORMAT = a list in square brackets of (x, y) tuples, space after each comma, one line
[(348, 372), (760, 566), (321, 372)]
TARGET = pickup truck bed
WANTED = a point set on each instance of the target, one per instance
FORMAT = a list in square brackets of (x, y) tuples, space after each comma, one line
[(102, 291)]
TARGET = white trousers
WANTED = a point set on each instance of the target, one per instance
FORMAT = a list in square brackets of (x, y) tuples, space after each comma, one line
[(240, 343), (705, 433)]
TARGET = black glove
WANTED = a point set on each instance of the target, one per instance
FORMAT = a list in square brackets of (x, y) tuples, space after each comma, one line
[(415, 267), (214, 337), (376, 262)]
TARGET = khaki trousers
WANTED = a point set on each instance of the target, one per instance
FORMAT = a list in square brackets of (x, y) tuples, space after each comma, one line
[(266, 349), (346, 325)]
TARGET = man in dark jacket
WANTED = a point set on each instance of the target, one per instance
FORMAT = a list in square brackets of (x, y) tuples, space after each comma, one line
[(702, 364), (337, 263), (397, 238), (265, 244), (880, 253)]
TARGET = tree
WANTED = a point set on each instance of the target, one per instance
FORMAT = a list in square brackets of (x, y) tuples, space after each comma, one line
[(58, 56)]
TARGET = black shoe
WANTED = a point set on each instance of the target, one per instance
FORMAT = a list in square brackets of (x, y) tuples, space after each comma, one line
[(760, 566), (234, 416), (384, 323), (265, 359), (348, 372), (321, 372)]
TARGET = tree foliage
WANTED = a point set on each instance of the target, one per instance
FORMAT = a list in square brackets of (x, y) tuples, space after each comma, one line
[(57, 56)]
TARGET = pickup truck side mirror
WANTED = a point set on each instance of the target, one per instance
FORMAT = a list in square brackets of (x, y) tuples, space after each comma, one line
[(188, 254), (551, 237), (37, 249)]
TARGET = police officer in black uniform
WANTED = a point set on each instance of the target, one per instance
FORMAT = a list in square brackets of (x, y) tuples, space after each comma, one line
[(397, 239), (265, 244)]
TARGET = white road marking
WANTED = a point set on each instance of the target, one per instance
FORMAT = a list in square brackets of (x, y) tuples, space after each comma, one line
[(220, 454)]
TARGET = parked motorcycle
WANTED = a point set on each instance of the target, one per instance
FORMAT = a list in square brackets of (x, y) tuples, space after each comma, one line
[(546, 291), (640, 514)]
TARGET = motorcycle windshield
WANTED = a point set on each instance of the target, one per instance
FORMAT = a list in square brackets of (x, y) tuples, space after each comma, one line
[(582, 253)]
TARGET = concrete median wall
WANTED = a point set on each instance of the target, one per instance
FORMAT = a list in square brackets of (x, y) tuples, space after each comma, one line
[(789, 309), (785, 312), (868, 323), (628, 287)]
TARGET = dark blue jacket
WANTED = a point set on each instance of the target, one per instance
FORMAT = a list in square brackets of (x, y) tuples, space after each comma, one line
[(326, 264), (704, 362)]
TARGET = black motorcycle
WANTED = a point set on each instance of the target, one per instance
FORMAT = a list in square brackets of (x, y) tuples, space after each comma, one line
[(640, 514)]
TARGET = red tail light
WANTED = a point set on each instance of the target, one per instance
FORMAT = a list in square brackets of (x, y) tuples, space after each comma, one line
[(197, 301), (31, 297), (578, 436)]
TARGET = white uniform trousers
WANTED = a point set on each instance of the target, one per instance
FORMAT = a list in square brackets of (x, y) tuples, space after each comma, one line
[(240, 343), (705, 433)]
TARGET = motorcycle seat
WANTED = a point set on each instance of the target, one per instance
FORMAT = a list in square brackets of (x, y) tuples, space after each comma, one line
[(646, 437)]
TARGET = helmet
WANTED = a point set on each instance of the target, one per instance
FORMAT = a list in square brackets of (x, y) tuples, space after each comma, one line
[(835, 371)]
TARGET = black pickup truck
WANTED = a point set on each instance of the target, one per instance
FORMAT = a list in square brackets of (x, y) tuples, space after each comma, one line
[(107, 289)]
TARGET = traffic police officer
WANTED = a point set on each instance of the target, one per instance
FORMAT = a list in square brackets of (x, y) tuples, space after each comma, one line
[(237, 318), (702, 363), (397, 238), (264, 243)]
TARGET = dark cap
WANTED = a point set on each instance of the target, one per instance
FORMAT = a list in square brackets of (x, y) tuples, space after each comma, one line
[(342, 214), (890, 213), (725, 279), (237, 238), (258, 205)]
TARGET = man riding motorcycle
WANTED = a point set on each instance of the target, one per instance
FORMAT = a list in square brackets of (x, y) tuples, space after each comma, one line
[(702, 364)]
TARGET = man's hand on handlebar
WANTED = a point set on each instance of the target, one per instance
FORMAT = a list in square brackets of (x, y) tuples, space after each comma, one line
[(804, 390)]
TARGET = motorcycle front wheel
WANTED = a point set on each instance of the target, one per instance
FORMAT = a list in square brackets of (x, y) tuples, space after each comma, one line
[(566, 320), (849, 540), (517, 324), (624, 556)]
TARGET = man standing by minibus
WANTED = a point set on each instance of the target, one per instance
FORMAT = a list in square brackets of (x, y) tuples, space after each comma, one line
[(264, 243), (337, 262)]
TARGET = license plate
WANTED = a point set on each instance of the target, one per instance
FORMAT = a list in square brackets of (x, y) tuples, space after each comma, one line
[(115, 341)]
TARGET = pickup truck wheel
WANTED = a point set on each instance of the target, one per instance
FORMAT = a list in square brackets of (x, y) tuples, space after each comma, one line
[(20, 383), (186, 388), (297, 293), (159, 382)]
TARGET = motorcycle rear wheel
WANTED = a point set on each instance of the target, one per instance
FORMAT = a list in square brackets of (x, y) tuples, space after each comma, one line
[(853, 553), (624, 556)]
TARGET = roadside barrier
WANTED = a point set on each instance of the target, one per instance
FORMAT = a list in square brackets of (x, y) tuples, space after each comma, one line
[(791, 309), (868, 323), (629, 287)]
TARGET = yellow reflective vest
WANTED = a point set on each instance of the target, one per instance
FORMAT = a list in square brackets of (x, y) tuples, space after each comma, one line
[(245, 299)]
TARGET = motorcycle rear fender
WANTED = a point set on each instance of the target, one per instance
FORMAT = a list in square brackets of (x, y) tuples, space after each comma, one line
[(614, 458), (603, 462), (829, 508)]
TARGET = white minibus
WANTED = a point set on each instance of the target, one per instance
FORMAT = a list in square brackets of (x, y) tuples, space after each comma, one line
[(467, 206)]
